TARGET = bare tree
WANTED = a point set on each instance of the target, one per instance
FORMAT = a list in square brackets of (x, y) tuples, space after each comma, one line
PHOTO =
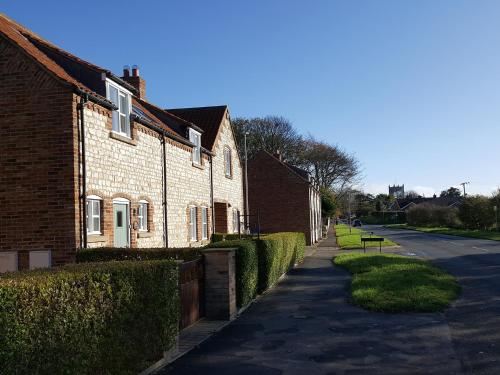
[(330, 165), (270, 133)]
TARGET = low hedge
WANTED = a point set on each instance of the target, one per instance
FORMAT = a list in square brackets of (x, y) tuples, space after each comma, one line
[(106, 254), (217, 237), (246, 269), (277, 253), (95, 318)]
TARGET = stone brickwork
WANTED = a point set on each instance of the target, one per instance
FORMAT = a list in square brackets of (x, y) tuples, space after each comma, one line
[(37, 185), (187, 185), (228, 190), (120, 169)]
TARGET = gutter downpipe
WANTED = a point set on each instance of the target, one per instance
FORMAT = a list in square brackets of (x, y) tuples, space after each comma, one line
[(212, 192), (81, 107), (165, 217)]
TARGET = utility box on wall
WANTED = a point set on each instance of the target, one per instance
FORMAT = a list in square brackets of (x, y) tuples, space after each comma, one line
[(8, 261), (40, 259)]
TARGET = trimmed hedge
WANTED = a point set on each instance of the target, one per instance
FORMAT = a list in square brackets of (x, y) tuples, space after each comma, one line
[(218, 237), (106, 254), (246, 269), (277, 253), (96, 318)]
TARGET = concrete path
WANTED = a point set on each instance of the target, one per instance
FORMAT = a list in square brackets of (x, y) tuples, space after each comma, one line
[(306, 326)]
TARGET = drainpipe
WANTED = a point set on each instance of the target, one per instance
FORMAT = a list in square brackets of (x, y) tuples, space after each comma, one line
[(212, 193), (81, 107), (165, 218)]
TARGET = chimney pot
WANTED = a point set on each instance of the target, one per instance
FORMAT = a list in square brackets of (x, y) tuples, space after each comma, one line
[(277, 155), (126, 71), (135, 71)]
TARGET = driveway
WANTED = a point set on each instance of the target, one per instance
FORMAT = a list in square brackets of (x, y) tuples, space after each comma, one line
[(306, 326)]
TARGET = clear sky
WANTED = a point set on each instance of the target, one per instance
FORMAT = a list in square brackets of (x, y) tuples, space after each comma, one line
[(412, 88)]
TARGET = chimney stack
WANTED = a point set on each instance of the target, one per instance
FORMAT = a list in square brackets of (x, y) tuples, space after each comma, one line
[(277, 155), (126, 71), (135, 80)]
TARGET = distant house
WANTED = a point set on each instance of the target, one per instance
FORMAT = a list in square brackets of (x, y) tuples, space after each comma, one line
[(283, 198)]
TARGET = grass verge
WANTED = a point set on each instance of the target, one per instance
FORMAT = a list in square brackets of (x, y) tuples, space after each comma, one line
[(482, 234), (352, 240), (394, 283)]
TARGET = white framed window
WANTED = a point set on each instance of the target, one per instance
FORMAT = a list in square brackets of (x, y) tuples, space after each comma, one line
[(204, 223), (93, 215), (228, 168), (142, 215), (122, 99), (192, 224), (195, 138), (236, 221)]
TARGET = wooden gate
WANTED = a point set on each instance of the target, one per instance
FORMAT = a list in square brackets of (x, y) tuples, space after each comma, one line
[(191, 292)]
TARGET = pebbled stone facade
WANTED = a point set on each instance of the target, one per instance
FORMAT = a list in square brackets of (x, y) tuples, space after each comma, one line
[(228, 189)]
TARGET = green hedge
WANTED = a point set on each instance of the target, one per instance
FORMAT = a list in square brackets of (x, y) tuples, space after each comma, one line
[(246, 269), (106, 254), (217, 237), (95, 318), (277, 253)]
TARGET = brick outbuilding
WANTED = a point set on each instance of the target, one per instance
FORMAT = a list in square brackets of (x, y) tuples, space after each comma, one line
[(283, 198)]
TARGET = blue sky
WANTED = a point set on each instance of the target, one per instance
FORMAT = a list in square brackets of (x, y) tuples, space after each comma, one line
[(412, 88)]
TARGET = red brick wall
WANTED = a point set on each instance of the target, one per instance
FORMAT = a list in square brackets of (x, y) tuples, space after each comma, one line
[(279, 195), (37, 184)]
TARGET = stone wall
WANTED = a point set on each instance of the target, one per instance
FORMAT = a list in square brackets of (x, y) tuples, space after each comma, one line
[(187, 185), (228, 190), (117, 168)]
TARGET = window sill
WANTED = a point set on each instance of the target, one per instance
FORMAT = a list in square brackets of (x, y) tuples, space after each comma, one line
[(229, 177), (144, 234), (199, 166), (93, 238), (123, 138)]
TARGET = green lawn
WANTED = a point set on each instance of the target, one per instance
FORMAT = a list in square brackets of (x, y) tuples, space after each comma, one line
[(484, 234), (394, 283), (352, 240)]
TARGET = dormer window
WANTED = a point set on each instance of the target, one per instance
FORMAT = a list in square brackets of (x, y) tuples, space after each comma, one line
[(122, 99), (195, 138)]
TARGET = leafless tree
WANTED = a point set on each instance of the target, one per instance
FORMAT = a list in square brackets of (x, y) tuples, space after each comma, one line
[(331, 166), (270, 133)]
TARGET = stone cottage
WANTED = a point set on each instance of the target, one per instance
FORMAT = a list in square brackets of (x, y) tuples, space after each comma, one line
[(87, 161), (283, 198)]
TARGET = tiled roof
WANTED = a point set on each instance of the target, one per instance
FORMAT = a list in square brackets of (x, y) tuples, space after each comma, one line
[(19, 36), (208, 119)]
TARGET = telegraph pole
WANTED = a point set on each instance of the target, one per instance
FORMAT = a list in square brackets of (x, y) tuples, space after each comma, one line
[(495, 208), (247, 211), (463, 185)]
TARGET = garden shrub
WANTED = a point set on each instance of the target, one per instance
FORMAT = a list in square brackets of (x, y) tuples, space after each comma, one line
[(429, 215), (106, 254), (94, 318), (278, 252), (246, 269)]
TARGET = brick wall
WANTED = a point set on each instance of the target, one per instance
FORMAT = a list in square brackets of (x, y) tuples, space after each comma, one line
[(280, 197), (37, 185)]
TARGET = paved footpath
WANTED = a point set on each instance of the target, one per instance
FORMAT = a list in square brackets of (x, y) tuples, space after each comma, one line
[(306, 326)]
